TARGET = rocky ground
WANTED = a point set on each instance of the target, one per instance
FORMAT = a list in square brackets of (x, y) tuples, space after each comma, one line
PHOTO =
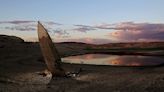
[(20, 62)]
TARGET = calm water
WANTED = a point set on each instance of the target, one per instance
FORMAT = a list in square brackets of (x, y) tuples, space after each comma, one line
[(103, 59)]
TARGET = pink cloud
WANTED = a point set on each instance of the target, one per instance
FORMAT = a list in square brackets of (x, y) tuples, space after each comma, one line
[(129, 31)]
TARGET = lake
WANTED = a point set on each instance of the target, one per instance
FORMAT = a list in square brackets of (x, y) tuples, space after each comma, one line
[(115, 60)]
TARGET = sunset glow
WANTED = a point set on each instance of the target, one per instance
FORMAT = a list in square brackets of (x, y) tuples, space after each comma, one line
[(97, 22)]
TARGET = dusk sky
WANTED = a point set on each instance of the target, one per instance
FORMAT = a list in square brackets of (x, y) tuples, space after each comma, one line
[(90, 21)]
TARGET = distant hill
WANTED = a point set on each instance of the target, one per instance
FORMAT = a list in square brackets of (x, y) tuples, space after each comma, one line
[(15, 44), (132, 45), (10, 39), (14, 39), (84, 46)]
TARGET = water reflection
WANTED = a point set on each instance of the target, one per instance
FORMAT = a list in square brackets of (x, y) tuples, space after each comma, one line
[(103, 59)]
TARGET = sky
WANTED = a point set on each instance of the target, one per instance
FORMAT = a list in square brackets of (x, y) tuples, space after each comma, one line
[(90, 21)]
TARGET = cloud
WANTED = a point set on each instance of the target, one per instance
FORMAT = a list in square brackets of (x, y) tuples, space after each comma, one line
[(82, 25), (28, 21), (25, 25), (104, 26), (21, 27), (139, 26), (16, 22), (132, 26), (61, 33), (83, 28), (124, 31), (53, 23), (129, 31)]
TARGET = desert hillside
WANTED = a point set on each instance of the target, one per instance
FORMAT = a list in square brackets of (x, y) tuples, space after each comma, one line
[(75, 48)]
